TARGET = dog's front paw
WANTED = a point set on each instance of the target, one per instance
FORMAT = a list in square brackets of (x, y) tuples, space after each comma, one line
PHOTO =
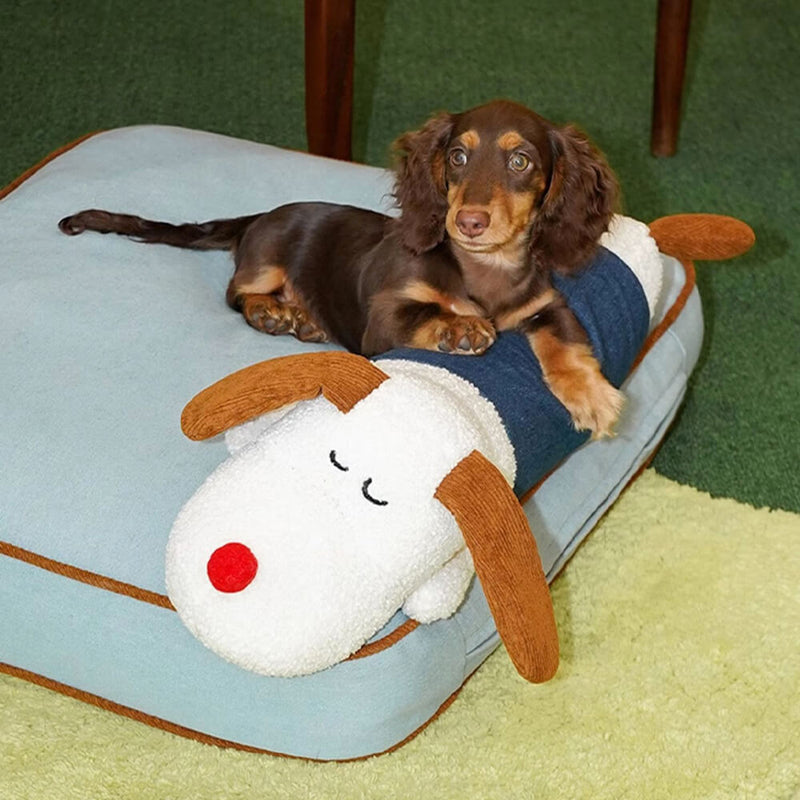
[(453, 333), (594, 406), (573, 375)]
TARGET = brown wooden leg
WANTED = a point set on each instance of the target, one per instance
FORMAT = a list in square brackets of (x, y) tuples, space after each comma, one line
[(672, 35), (329, 47)]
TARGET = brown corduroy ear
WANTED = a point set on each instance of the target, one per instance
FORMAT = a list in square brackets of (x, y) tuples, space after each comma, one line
[(344, 379), (507, 563), (702, 237)]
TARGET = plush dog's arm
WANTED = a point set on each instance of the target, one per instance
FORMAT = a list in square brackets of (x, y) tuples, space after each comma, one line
[(441, 594)]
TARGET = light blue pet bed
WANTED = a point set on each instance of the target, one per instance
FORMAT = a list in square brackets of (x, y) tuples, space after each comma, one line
[(104, 342)]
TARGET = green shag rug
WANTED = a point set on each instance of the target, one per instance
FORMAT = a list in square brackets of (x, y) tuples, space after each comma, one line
[(680, 678)]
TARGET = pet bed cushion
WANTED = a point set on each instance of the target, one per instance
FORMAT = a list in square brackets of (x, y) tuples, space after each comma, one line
[(104, 343)]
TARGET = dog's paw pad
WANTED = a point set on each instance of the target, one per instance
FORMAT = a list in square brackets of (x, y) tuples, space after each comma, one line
[(466, 335), (268, 315), (309, 332)]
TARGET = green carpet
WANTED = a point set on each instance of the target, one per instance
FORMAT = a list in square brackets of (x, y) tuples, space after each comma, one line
[(679, 679), (237, 68)]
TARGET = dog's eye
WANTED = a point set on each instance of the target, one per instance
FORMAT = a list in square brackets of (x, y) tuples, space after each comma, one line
[(519, 162), (368, 496), (458, 157), (335, 463)]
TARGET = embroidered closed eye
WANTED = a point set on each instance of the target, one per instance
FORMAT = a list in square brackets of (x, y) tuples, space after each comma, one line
[(364, 486), (365, 491), (335, 463)]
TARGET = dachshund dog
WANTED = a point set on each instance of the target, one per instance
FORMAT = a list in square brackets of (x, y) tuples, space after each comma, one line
[(492, 200)]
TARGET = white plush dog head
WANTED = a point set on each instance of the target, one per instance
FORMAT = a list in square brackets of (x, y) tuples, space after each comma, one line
[(357, 502)]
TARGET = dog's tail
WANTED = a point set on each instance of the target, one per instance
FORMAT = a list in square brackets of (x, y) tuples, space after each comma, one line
[(218, 234)]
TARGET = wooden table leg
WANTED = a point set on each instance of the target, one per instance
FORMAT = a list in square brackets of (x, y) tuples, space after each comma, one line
[(329, 48), (672, 36)]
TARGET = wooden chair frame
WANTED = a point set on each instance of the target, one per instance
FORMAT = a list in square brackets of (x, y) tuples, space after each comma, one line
[(330, 45)]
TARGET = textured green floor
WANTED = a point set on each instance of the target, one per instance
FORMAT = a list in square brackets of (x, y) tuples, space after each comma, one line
[(236, 68)]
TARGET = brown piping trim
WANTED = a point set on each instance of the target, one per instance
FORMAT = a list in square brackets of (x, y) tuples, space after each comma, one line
[(84, 576), (46, 160), (672, 314), (385, 642), (188, 733), (654, 335), (536, 486), (161, 600)]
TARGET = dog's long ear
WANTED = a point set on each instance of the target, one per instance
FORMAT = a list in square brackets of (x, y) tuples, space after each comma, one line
[(420, 189), (581, 197), (343, 378), (506, 561)]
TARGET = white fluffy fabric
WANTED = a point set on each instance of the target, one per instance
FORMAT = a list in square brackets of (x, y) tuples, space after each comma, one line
[(630, 240)]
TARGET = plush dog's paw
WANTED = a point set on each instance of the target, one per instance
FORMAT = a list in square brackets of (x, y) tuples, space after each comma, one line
[(454, 333)]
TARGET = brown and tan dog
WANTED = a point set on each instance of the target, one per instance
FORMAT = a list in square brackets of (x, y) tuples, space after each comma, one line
[(492, 201)]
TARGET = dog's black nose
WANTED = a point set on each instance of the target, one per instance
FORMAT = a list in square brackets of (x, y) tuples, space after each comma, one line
[(472, 223)]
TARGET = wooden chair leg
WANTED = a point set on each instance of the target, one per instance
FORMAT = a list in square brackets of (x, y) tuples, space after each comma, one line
[(672, 36), (329, 48)]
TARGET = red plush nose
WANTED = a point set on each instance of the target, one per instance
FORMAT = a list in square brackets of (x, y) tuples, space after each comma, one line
[(232, 567)]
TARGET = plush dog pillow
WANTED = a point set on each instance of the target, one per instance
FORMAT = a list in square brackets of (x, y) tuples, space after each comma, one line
[(281, 565)]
